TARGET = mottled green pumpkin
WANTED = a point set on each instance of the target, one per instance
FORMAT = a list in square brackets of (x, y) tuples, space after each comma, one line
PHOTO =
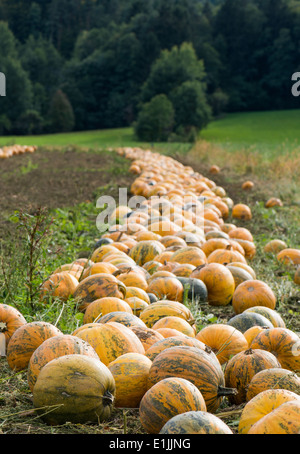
[(196, 422)]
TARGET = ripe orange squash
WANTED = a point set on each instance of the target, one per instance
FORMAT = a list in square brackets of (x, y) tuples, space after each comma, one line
[(86, 379), (275, 246), (242, 367), (152, 266), (284, 420), (241, 233), (195, 365), (241, 211), (289, 256), (196, 422), (125, 318), (54, 347), (98, 286), (145, 251), (98, 268), (164, 308), (25, 340), (275, 378), (130, 372), (281, 342), (249, 248), (134, 278), (192, 255), (253, 293), (136, 304), (252, 332), (169, 332), (166, 399), (75, 269), (166, 287), (137, 292), (263, 404), (224, 256), (219, 282), (177, 323), (245, 267), (273, 202), (184, 270), (224, 340), (173, 241), (212, 244), (147, 336), (59, 285), (239, 274), (10, 320), (111, 340), (103, 306), (175, 341), (101, 251)]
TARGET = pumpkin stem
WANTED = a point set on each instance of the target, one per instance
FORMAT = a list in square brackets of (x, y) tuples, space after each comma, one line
[(107, 398), (222, 391), (248, 352)]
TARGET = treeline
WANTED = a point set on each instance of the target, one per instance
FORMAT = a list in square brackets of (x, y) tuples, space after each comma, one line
[(91, 64)]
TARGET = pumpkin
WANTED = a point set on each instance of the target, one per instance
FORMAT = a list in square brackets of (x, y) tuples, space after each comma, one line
[(10, 320), (136, 304), (75, 269), (224, 340), (194, 289), (273, 202), (177, 323), (98, 268), (103, 306), (59, 285), (98, 286), (165, 308), (164, 227), (249, 248), (189, 254), (25, 340), (111, 340), (169, 332), (270, 314), (241, 211), (134, 278), (239, 274), (86, 379), (212, 244), (196, 365), (173, 241), (152, 266), (281, 342), (195, 422), (262, 404), (247, 185), (101, 251), (252, 332), (281, 421), (218, 281), (244, 266), (166, 287), (147, 336), (240, 369), (166, 399), (224, 256), (275, 378), (174, 341), (246, 320), (183, 270), (241, 233), (54, 347), (275, 246), (145, 251), (125, 318), (289, 256), (130, 372), (137, 292), (253, 293)]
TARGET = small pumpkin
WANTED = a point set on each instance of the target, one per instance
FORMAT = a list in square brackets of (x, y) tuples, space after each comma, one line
[(177, 323), (174, 341), (239, 274), (196, 422), (166, 399), (164, 308), (166, 287), (275, 246), (130, 372), (103, 306), (252, 332), (224, 256), (10, 320), (191, 255), (241, 211), (273, 202), (242, 367), (263, 404), (289, 256), (59, 285)]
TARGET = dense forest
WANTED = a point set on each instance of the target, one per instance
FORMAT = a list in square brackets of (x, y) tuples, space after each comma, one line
[(91, 64)]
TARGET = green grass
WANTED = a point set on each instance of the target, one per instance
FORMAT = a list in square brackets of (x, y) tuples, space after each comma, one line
[(271, 132)]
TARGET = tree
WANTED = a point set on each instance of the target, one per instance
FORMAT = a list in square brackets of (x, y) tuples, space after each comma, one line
[(155, 119), (61, 114)]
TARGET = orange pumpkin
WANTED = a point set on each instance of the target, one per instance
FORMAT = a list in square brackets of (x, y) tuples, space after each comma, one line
[(241, 211), (102, 306), (275, 246), (166, 287), (253, 293), (191, 255), (10, 320), (276, 378), (145, 251), (224, 256), (177, 323), (289, 256), (283, 420), (165, 308), (147, 336), (59, 285)]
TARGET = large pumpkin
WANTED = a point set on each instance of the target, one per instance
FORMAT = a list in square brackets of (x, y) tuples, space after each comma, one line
[(275, 378), (130, 372), (54, 347), (281, 342), (219, 282), (103, 306), (164, 308), (189, 254), (242, 367), (263, 404), (111, 340), (224, 340), (76, 389), (195, 365), (166, 399), (25, 340), (224, 256), (273, 316), (196, 422), (253, 293), (166, 287), (284, 420), (98, 286)]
